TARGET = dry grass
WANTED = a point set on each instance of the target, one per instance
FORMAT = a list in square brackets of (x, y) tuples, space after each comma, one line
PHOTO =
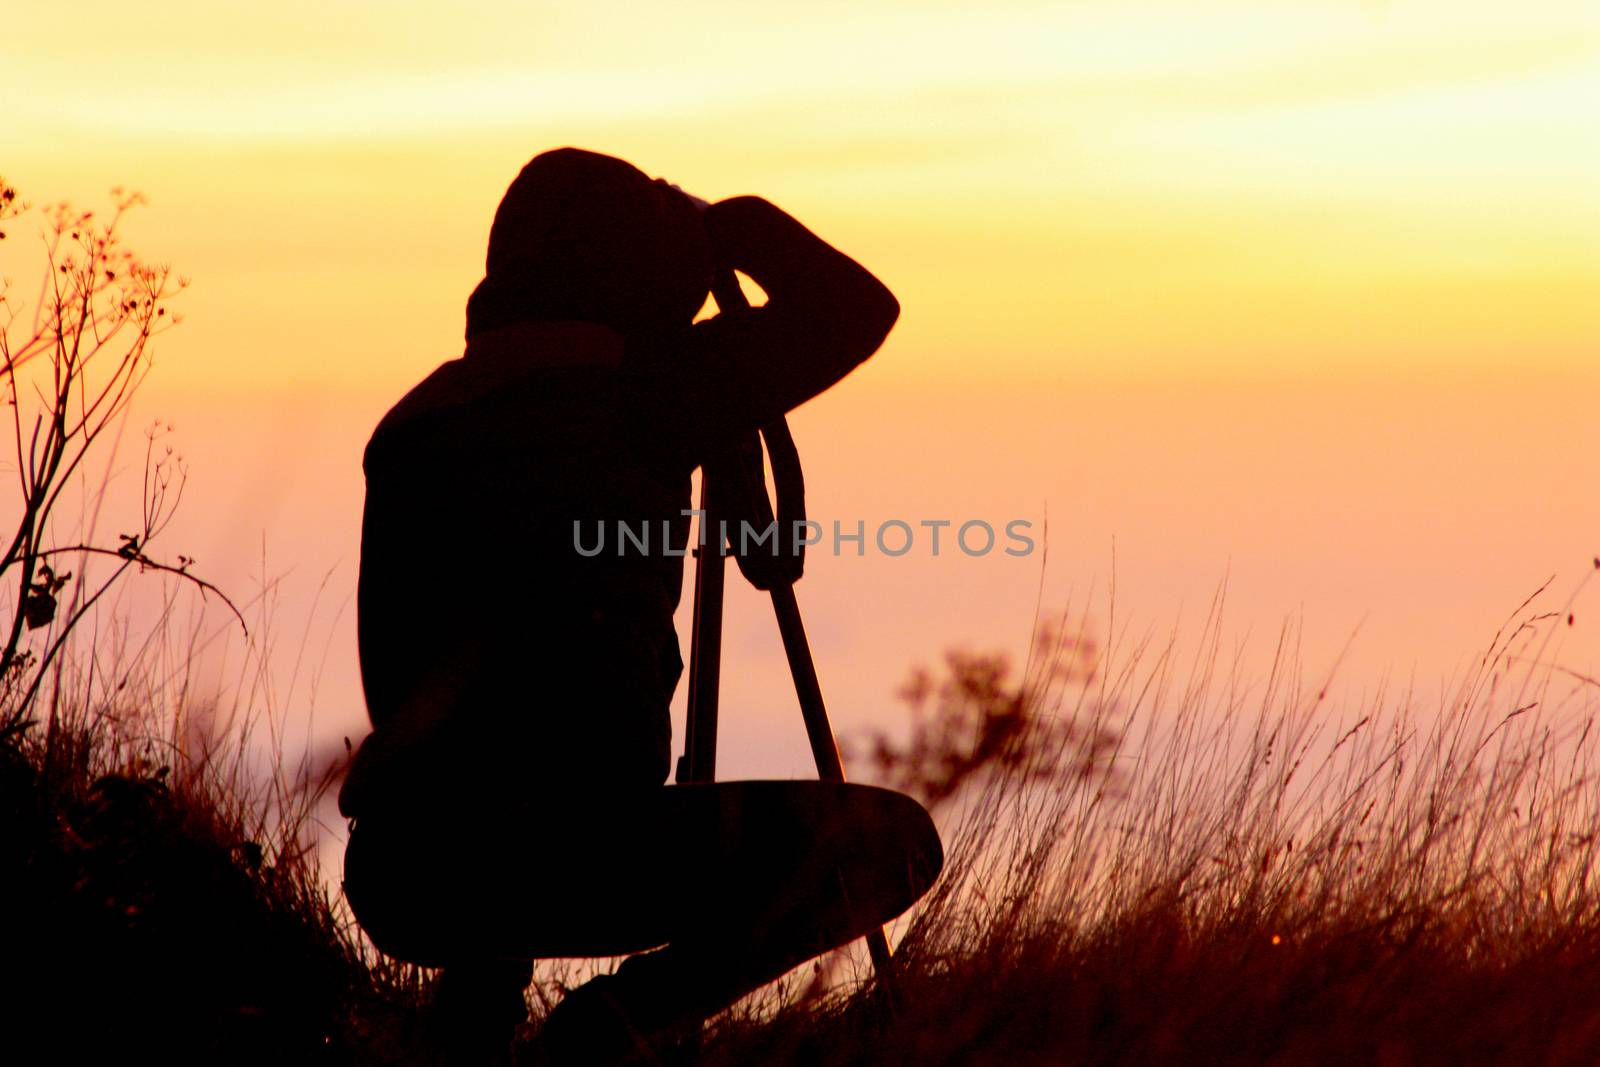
[(1152, 865), (160, 872), (1149, 862)]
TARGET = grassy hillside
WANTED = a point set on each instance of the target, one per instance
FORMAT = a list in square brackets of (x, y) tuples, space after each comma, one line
[(1147, 864)]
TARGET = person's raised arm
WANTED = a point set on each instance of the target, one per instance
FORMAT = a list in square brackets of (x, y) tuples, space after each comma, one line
[(824, 315)]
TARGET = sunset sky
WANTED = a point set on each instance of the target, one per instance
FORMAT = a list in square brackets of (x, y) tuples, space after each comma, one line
[(1300, 297)]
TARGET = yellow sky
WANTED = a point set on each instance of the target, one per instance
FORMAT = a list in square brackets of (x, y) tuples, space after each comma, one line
[(1187, 272), (1130, 189)]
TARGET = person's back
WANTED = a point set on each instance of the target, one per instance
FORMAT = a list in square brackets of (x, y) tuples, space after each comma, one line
[(526, 663), (509, 667)]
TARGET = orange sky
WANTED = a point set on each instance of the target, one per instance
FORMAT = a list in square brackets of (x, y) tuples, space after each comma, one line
[(1302, 295)]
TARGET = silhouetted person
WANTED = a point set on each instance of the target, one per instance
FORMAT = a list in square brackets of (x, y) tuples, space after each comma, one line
[(511, 802)]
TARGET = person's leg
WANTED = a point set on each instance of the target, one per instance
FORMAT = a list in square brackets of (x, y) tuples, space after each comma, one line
[(741, 881), (477, 1007), (766, 876), (472, 895), (517, 884)]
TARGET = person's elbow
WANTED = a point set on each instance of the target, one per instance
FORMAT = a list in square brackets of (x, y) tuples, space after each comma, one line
[(875, 313), (887, 314)]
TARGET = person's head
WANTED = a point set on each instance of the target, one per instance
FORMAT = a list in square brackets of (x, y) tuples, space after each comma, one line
[(579, 235)]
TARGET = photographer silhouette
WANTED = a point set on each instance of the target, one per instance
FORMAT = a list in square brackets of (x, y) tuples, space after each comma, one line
[(511, 802)]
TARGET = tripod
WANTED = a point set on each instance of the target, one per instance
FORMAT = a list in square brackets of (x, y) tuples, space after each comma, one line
[(737, 484)]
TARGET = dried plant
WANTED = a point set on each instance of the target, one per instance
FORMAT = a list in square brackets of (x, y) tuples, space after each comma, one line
[(71, 359)]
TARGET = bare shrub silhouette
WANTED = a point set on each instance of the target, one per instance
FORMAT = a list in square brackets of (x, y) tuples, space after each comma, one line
[(975, 723), (71, 360)]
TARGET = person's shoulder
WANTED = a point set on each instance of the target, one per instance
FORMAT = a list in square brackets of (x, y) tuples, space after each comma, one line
[(512, 374), (449, 384), (440, 390)]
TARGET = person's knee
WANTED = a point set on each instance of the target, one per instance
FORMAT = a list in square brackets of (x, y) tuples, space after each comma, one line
[(925, 852), (920, 850), (390, 894), (907, 855)]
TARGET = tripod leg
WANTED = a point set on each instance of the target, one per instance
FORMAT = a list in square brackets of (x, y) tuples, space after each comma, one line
[(703, 666), (699, 760), (824, 748)]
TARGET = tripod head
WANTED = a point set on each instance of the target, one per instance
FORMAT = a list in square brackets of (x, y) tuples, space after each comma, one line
[(741, 482)]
